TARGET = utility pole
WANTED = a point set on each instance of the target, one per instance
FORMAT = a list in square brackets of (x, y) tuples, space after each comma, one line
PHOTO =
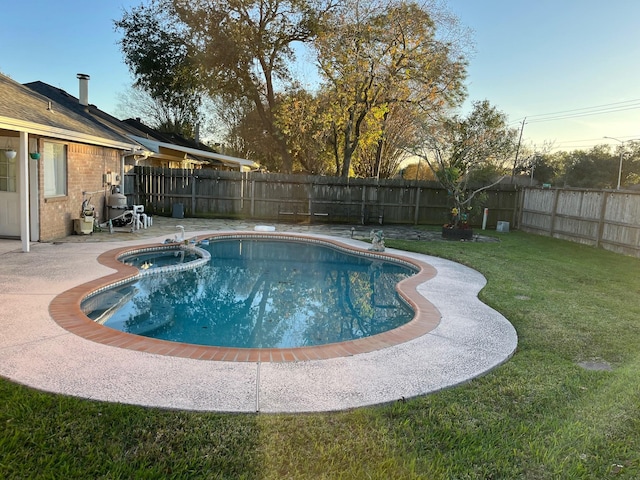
[(515, 162), (622, 142)]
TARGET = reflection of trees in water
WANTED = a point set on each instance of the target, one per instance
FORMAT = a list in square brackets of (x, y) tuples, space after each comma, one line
[(242, 299), (367, 303)]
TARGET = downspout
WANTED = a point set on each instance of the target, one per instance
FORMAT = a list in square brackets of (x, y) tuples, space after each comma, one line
[(122, 157)]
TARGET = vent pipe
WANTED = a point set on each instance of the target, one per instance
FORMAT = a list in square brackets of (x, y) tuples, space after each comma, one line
[(84, 88)]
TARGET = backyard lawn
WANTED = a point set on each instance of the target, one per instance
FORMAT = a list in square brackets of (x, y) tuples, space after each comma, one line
[(541, 415)]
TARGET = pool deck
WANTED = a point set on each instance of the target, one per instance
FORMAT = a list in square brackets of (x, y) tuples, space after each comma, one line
[(470, 339)]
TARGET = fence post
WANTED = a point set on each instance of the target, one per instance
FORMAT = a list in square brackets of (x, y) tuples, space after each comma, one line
[(362, 204), (253, 197), (193, 193), (603, 209), (243, 180), (518, 206), (554, 211), (416, 215)]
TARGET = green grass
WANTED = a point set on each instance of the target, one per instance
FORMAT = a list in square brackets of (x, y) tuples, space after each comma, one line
[(538, 416)]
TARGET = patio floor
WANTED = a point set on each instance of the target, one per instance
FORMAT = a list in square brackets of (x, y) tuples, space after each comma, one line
[(470, 339)]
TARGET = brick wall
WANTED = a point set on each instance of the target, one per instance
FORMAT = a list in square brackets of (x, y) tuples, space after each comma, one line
[(85, 168)]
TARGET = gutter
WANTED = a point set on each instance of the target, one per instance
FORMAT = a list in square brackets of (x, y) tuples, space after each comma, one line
[(8, 123)]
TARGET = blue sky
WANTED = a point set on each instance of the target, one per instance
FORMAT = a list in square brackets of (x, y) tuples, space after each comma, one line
[(531, 59)]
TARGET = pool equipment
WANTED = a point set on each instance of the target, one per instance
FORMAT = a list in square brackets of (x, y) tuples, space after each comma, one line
[(121, 215), (84, 224)]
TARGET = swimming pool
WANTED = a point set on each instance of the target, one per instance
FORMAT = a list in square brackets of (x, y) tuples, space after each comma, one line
[(66, 310), (258, 293)]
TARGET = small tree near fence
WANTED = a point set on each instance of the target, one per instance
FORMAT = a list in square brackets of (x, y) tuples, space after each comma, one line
[(468, 155)]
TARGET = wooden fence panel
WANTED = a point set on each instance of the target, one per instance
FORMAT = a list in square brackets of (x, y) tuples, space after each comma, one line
[(601, 218), (537, 210), (303, 198)]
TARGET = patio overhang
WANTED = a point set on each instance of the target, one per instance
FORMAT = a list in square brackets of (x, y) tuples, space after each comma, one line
[(163, 148), (22, 130)]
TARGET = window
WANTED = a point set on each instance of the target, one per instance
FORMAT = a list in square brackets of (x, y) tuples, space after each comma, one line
[(7, 174), (55, 169)]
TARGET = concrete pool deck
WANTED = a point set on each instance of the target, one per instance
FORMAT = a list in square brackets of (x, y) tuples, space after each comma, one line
[(470, 340)]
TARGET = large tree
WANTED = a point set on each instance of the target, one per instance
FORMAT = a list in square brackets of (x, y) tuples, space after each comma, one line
[(374, 55), (594, 168), (240, 50), (163, 66), (301, 118), (135, 102), (381, 158)]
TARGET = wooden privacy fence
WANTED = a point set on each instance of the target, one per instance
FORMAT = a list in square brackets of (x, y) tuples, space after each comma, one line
[(300, 198), (601, 218)]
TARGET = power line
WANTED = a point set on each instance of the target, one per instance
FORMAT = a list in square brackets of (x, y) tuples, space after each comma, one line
[(585, 114), (600, 140), (583, 140), (579, 112), (575, 144), (607, 105)]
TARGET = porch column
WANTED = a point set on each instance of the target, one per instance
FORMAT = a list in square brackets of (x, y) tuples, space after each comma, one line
[(23, 159)]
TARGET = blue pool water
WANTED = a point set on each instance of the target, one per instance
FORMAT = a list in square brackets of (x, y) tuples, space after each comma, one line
[(261, 294)]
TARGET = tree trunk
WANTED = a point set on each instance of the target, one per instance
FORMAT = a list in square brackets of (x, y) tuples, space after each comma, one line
[(380, 147), (346, 162)]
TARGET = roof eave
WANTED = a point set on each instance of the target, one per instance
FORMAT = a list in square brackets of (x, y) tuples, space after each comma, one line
[(63, 134), (155, 144)]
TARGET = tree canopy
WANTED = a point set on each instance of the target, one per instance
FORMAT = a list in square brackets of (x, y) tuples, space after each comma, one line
[(163, 66), (378, 60), (390, 77), (231, 50), (380, 63), (598, 167)]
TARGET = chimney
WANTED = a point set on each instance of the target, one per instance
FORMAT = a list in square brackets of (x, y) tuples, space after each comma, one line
[(84, 88)]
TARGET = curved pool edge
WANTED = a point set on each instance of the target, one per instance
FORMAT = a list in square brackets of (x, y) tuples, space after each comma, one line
[(471, 340), (203, 258), (65, 309)]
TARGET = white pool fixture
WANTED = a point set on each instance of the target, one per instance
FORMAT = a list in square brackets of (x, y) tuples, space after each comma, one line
[(180, 237), (264, 228)]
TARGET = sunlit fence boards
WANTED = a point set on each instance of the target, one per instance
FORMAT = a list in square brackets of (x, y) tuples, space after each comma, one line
[(601, 218)]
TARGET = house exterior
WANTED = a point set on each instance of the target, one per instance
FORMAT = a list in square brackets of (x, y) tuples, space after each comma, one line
[(58, 151), (80, 157)]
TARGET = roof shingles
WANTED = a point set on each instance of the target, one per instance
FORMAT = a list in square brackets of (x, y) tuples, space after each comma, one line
[(41, 104)]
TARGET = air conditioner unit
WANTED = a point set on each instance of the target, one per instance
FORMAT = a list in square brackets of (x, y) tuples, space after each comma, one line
[(502, 227)]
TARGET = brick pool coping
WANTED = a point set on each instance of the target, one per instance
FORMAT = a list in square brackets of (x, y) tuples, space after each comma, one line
[(65, 309)]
